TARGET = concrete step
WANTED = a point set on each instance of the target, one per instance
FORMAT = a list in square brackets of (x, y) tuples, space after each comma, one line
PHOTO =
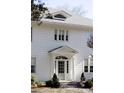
[(70, 85)]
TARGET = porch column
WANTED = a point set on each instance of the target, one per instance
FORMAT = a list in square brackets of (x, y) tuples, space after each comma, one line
[(89, 65), (73, 69), (52, 65), (56, 67)]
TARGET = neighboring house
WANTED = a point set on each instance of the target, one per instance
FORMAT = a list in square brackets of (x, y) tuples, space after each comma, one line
[(59, 45)]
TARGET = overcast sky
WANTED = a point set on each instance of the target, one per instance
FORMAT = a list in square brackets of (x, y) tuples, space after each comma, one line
[(84, 5)]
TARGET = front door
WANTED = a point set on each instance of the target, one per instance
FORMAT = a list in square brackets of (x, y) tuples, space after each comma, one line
[(61, 70)]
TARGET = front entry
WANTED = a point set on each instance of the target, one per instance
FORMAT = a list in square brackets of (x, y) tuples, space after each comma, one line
[(61, 70), (62, 67)]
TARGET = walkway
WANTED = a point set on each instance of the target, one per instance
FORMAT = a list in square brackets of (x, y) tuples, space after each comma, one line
[(60, 90)]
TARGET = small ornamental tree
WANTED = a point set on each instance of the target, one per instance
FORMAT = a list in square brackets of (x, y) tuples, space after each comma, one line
[(82, 82), (55, 81), (83, 77)]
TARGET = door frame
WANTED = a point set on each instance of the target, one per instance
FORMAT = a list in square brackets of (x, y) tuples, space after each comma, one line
[(65, 67)]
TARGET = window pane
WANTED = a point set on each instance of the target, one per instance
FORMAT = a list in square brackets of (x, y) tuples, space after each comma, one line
[(63, 35), (91, 68), (91, 62), (86, 62), (59, 34), (61, 67), (55, 35), (85, 68), (33, 61), (32, 68), (66, 35)]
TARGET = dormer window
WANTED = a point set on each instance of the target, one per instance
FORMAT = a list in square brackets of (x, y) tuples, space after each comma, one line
[(59, 16)]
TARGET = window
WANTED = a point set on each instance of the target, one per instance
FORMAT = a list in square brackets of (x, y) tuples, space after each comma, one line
[(85, 68), (91, 68), (67, 67), (55, 35), (33, 65), (66, 35), (86, 65), (60, 16), (61, 57), (32, 68), (61, 67), (61, 35)]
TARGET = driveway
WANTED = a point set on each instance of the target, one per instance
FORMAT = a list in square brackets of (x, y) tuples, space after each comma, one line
[(60, 90)]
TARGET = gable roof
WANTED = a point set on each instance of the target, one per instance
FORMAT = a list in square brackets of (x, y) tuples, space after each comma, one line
[(63, 49), (72, 19)]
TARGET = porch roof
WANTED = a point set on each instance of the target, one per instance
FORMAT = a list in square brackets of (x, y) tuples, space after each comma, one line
[(63, 49)]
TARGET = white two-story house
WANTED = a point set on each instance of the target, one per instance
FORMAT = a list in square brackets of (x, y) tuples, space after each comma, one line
[(59, 45)]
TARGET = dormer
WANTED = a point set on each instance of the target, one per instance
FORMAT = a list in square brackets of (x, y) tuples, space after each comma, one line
[(59, 15)]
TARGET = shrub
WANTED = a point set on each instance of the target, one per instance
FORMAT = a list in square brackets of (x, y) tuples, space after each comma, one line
[(54, 83), (49, 83), (82, 77), (88, 84)]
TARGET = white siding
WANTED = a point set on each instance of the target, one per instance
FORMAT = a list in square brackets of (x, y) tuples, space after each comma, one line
[(43, 41)]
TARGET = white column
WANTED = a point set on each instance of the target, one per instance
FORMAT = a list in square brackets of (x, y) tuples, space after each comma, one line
[(54, 65), (89, 65), (70, 69), (73, 69), (57, 67)]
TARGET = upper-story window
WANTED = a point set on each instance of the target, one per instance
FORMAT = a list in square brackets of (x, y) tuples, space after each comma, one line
[(55, 35), (85, 65), (61, 35), (66, 35)]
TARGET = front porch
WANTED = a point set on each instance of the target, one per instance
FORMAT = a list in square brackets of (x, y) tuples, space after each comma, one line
[(62, 63)]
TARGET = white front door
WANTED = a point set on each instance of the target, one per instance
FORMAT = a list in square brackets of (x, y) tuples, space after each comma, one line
[(61, 70)]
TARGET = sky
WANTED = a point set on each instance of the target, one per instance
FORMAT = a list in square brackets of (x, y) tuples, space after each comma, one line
[(84, 5)]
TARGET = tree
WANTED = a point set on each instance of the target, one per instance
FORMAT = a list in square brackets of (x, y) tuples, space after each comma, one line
[(90, 42), (37, 11)]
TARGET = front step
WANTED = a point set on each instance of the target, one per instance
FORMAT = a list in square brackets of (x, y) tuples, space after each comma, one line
[(70, 85)]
